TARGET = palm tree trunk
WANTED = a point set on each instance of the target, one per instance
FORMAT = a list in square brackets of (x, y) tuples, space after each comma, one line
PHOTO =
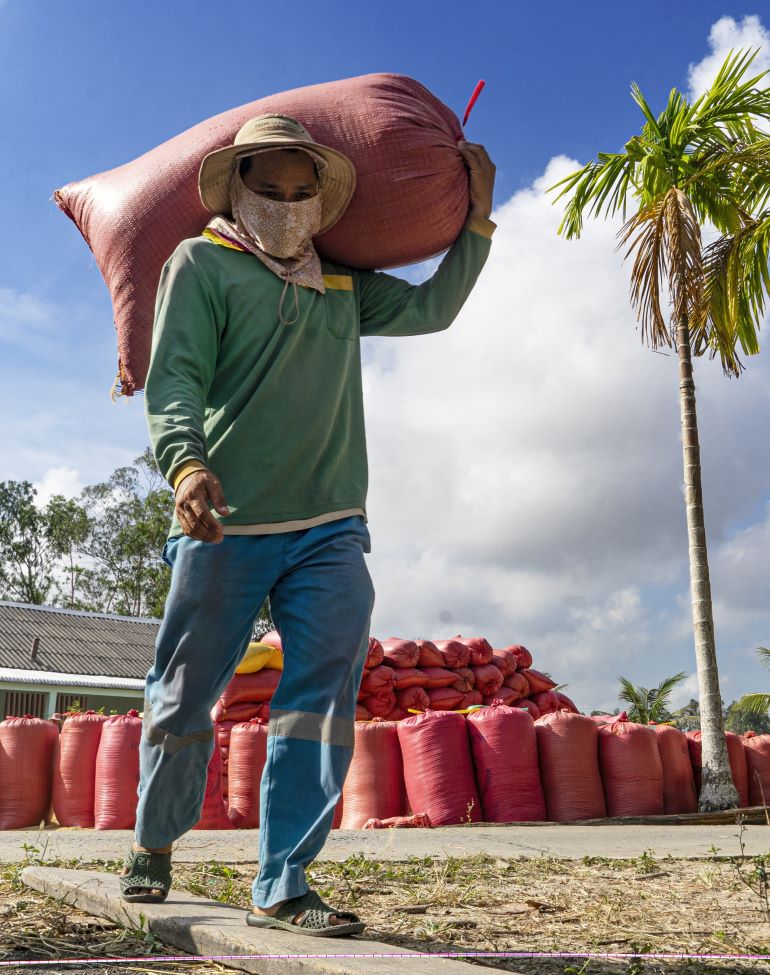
[(717, 788)]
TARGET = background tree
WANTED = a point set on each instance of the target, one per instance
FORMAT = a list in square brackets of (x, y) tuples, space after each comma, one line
[(757, 704), (648, 704), (129, 518), (688, 717), (697, 164), (27, 553), (67, 528)]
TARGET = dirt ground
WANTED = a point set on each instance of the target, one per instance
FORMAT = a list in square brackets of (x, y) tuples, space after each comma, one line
[(719, 905)]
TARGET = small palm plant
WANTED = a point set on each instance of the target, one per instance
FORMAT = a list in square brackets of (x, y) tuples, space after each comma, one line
[(648, 704), (698, 165), (758, 703)]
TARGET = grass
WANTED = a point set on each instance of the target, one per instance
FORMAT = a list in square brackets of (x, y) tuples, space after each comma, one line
[(640, 905)]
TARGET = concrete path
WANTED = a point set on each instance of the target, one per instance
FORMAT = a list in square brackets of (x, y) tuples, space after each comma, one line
[(197, 926), (570, 842)]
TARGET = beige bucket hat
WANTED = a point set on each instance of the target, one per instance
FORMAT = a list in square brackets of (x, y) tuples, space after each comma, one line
[(337, 177)]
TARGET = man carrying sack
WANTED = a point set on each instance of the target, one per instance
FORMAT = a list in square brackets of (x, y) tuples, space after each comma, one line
[(254, 405)]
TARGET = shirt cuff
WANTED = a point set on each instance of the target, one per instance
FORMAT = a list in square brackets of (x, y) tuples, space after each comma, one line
[(189, 468), (480, 225)]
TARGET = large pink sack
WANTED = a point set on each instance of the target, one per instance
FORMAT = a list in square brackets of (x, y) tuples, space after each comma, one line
[(410, 203), (504, 749), (568, 754)]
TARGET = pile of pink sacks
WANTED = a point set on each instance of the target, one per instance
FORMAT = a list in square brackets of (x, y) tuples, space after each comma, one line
[(402, 677)]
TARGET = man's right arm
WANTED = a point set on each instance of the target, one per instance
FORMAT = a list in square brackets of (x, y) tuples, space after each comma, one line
[(185, 343)]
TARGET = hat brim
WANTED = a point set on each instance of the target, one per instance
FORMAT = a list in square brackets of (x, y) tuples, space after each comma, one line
[(337, 179)]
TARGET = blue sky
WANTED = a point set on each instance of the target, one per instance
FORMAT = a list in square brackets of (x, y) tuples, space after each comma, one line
[(91, 88)]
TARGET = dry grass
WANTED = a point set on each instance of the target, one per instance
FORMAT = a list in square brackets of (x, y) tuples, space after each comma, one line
[(472, 904)]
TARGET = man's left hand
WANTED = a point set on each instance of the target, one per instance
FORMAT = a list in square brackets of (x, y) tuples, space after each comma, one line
[(482, 178)]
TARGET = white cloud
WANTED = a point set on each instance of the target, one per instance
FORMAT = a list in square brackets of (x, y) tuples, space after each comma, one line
[(727, 35), (527, 470), (25, 319), (58, 480)]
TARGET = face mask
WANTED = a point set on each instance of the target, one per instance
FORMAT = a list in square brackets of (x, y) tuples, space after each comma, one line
[(281, 229)]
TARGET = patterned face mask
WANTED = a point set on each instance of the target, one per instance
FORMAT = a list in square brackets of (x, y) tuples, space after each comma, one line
[(281, 229)]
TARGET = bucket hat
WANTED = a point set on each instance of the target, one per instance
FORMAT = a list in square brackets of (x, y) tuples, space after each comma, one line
[(337, 177)]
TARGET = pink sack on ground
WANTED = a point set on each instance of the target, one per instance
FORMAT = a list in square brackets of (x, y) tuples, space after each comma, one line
[(214, 811), (568, 754), (679, 795), (374, 786), (117, 772), (410, 203), (504, 748), (631, 769), (74, 776), (758, 766), (438, 768), (27, 750), (248, 753)]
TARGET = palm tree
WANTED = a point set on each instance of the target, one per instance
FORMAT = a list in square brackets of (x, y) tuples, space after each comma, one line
[(758, 703), (704, 163), (648, 704)]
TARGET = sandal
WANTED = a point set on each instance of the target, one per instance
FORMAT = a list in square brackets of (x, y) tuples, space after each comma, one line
[(314, 922), (147, 873)]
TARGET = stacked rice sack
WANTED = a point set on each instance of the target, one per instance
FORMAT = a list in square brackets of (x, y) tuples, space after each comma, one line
[(247, 696), (402, 677)]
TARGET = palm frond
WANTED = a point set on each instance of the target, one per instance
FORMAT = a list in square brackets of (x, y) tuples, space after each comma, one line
[(597, 188), (764, 655), (666, 240), (643, 234), (633, 695), (755, 703), (733, 101)]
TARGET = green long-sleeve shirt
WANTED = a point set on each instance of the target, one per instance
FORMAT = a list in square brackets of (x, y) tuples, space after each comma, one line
[(276, 411)]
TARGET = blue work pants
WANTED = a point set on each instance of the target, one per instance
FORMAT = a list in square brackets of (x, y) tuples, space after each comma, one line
[(321, 600)]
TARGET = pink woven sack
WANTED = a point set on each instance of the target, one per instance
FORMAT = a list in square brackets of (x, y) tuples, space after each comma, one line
[(429, 654), (438, 768), (631, 770), (567, 747), (480, 650), (214, 811), (27, 747), (374, 655), (74, 774), (117, 772), (374, 786), (504, 749), (400, 653), (410, 203), (758, 764), (679, 795), (248, 753)]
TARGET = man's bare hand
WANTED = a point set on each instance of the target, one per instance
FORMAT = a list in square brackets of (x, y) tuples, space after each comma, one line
[(482, 178), (195, 496)]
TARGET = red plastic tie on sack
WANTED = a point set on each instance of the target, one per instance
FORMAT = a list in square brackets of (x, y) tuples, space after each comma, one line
[(476, 92)]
